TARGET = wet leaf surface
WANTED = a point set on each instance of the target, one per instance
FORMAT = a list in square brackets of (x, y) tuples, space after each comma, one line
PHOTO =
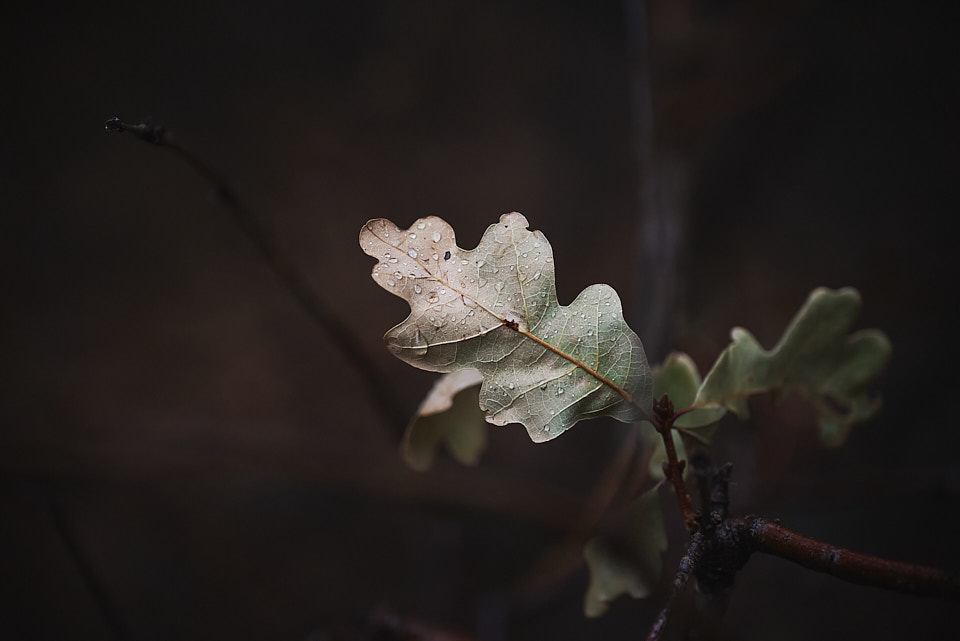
[(495, 309)]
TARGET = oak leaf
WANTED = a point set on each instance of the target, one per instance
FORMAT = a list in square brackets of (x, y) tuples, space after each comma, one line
[(628, 561), (816, 356), (495, 309), (449, 416)]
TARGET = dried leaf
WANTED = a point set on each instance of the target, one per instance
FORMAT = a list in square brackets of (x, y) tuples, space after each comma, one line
[(449, 415), (629, 563), (495, 308), (816, 357)]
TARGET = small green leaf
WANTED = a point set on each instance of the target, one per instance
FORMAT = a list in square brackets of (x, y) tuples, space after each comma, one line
[(678, 378), (495, 308), (629, 563), (449, 415), (815, 357)]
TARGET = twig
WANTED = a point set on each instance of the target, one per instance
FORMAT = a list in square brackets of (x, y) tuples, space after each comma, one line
[(610, 482), (687, 568), (724, 545), (85, 571), (772, 538), (673, 469), (389, 407)]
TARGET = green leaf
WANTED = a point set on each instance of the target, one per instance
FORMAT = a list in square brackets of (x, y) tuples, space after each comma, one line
[(449, 415), (678, 378), (629, 563), (495, 308), (815, 357)]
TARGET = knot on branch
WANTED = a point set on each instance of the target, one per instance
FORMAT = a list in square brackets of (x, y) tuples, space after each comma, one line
[(726, 550), (726, 545)]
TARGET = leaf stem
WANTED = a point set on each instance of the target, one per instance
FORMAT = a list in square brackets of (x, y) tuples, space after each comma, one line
[(680, 413)]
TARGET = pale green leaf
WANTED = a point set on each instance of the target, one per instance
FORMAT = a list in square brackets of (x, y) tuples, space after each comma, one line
[(816, 357), (449, 415), (628, 561), (495, 308), (679, 378)]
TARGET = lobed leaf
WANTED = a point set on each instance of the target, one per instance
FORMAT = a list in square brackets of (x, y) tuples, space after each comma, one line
[(816, 357), (447, 416), (630, 563), (495, 309)]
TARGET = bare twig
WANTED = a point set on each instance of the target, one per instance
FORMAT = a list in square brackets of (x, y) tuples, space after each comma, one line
[(388, 406), (725, 544), (687, 568), (772, 538), (88, 576), (673, 469)]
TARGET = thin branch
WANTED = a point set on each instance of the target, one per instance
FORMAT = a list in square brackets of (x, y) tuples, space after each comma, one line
[(687, 568), (88, 576), (610, 482), (388, 406), (673, 469), (854, 567)]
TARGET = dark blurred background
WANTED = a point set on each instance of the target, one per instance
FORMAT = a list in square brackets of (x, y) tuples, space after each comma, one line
[(184, 454)]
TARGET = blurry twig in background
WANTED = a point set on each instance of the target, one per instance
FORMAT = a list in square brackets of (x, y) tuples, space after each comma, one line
[(387, 404), (88, 577), (566, 557)]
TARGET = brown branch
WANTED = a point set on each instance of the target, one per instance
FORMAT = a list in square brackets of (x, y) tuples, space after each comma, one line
[(724, 544), (290, 276), (673, 469), (854, 567)]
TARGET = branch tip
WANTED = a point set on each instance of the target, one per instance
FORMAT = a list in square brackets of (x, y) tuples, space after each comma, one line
[(145, 131)]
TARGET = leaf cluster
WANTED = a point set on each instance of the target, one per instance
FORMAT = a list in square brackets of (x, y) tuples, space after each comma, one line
[(489, 318)]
